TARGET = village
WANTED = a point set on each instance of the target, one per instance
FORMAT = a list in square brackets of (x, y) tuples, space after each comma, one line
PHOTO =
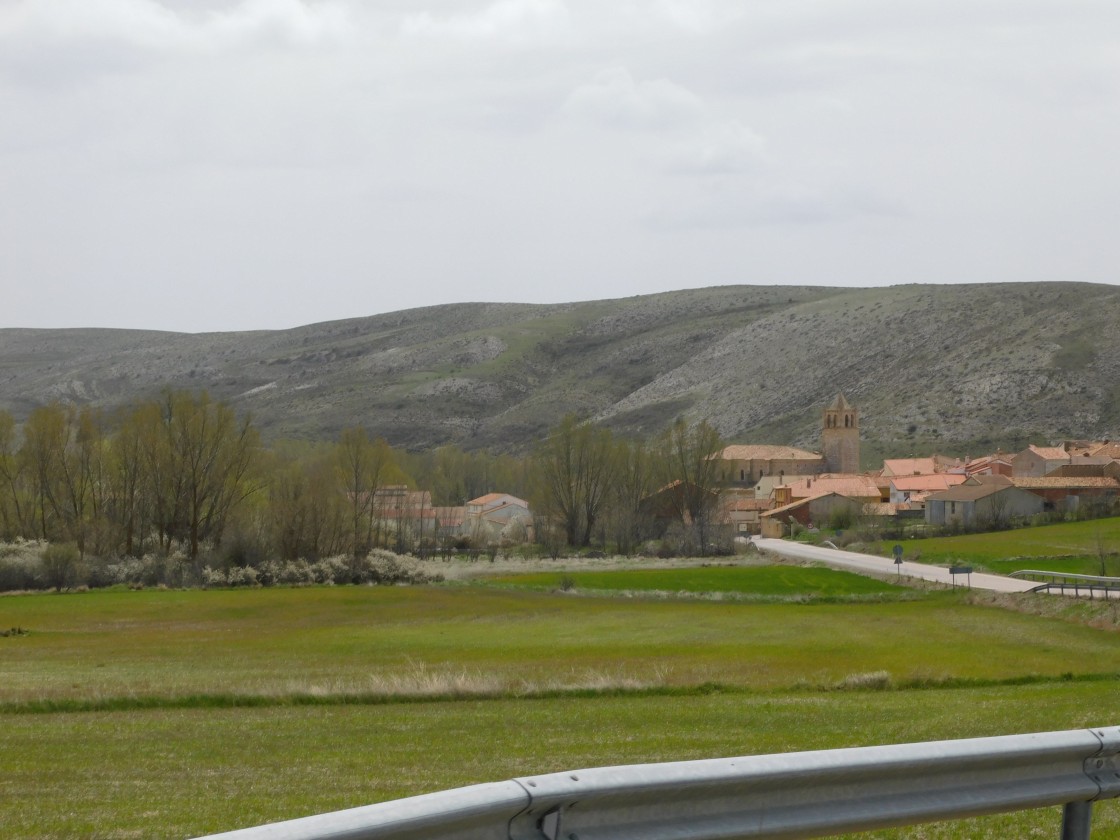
[(772, 490), (777, 490)]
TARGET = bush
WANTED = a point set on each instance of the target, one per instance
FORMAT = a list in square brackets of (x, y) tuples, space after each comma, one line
[(385, 567), (331, 570), (153, 570), (242, 576), (841, 518), (20, 566), (61, 563), (295, 572)]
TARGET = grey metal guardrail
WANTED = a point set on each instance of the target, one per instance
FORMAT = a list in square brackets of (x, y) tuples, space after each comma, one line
[(805, 794), (1068, 581)]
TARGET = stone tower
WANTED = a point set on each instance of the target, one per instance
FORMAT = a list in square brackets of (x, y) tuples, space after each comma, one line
[(840, 437)]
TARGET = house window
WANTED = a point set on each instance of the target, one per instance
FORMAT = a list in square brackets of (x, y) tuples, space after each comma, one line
[(952, 508)]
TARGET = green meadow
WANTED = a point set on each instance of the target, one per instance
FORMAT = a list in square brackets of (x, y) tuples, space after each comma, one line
[(176, 713), (760, 582), (1072, 547)]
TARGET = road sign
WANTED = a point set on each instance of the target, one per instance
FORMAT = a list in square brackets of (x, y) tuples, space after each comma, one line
[(961, 570)]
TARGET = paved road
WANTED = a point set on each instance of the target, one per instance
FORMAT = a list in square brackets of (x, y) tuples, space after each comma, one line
[(856, 562)]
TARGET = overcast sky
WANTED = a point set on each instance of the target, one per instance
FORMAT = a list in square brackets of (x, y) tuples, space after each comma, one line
[(244, 164)]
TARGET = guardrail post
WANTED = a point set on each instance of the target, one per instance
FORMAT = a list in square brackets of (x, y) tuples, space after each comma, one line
[(1076, 817)]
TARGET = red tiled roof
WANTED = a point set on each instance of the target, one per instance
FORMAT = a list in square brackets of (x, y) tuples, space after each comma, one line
[(799, 502), (494, 498), (967, 492), (914, 483), (910, 466), (1049, 453), (855, 486), (1062, 482), (750, 504), (1108, 450), (766, 452)]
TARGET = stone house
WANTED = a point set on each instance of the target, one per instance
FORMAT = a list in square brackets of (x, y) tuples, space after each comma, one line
[(1070, 493), (996, 464), (918, 466), (498, 517), (1037, 461), (979, 503), (806, 512), (915, 488), (861, 488), (743, 515)]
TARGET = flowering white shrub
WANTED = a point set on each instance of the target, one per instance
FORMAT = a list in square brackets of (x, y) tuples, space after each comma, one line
[(242, 576), (295, 572), (331, 570)]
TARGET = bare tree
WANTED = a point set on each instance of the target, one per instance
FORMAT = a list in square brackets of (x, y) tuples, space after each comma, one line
[(686, 459), (198, 456), (16, 505), (633, 482), (574, 467), (362, 465)]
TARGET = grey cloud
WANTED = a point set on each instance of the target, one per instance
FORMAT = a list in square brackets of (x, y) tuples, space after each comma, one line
[(145, 24), (616, 100), (743, 205), (716, 148), (365, 156), (512, 22)]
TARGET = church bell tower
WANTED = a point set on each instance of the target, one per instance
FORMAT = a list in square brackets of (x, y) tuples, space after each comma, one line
[(840, 437)]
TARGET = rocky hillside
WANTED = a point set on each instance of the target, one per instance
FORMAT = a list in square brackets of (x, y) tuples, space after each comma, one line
[(940, 367)]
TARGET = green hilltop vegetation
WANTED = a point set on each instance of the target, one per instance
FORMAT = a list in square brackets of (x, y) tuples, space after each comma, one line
[(960, 369)]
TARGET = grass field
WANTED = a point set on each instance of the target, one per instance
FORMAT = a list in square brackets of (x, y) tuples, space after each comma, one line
[(182, 772), (100, 646), (761, 582), (168, 714), (1068, 547)]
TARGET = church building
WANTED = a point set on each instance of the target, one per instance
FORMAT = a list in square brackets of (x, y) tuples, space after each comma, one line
[(840, 437), (746, 464)]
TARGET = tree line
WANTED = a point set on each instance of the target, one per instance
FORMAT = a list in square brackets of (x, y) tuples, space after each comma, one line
[(592, 487), (186, 474)]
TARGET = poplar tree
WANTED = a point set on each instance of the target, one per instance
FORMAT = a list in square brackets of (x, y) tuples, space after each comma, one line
[(574, 467)]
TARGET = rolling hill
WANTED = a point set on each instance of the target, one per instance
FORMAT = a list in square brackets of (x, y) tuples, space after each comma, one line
[(931, 367)]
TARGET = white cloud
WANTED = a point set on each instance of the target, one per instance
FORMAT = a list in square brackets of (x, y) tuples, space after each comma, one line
[(790, 205), (513, 22), (287, 21), (716, 148), (138, 22), (616, 100), (698, 17), (145, 24), (166, 144), (692, 139)]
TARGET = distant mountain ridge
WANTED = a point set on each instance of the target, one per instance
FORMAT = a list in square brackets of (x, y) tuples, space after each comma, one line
[(929, 366)]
